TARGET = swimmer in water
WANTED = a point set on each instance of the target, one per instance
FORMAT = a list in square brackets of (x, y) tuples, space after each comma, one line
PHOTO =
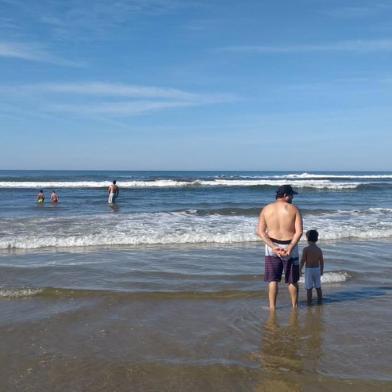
[(54, 197), (113, 192), (41, 197)]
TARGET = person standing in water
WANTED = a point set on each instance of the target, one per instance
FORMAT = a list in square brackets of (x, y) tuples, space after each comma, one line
[(41, 197), (313, 260), (280, 227), (113, 191), (54, 197)]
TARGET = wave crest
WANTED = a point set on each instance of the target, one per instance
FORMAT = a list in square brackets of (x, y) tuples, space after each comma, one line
[(170, 183)]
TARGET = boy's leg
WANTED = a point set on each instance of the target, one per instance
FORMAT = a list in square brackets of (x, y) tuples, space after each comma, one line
[(272, 294), (319, 295), (309, 296), (293, 290)]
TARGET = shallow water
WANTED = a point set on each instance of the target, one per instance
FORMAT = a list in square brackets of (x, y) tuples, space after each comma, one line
[(191, 318)]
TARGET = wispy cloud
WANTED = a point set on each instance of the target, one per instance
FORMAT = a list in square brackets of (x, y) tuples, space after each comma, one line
[(131, 108), (101, 89), (33, 52), (354, 46), (74, 19), (359, 11), (107, 89), (110, 98)]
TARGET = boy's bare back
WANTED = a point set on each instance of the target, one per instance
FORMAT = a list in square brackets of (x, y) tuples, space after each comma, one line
[(312, 256)]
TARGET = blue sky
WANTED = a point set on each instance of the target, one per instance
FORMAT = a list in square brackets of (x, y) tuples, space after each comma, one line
[(196, 84)]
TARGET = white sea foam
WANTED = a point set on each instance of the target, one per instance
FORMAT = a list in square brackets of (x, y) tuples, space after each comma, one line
[(177, 228), (316, 183), (337, 176), (18, 293), (332, 277)]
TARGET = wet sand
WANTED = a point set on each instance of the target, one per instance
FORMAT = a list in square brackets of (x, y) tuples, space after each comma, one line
[(134, 320)]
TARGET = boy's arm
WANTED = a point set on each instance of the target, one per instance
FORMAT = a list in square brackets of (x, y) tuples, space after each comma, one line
[(321, 263)]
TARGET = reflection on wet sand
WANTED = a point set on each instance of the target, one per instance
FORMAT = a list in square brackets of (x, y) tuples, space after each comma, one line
[(290, 352)]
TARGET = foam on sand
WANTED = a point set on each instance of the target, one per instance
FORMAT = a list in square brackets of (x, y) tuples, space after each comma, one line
[(18, 293)]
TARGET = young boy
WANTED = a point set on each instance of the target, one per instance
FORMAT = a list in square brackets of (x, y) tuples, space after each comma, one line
[(312, 258)]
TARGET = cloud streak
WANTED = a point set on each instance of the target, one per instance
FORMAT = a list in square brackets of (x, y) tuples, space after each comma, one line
[(101, 89), (353, 46), (108, 89), (78, 20), (33, 52), (112, 99), (131, 108), (359, 11)]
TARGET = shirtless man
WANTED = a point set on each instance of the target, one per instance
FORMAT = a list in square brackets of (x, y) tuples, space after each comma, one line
[(54, 197), (280, 227), (113, 191)]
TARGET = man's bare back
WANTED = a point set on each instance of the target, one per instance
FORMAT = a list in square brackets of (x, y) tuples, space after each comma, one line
[(113, 188), (280, 221)]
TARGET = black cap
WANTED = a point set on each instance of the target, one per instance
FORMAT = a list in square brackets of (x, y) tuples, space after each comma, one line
[(285, 190)]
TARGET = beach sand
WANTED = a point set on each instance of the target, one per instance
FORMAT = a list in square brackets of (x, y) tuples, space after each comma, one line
[(191, 318)]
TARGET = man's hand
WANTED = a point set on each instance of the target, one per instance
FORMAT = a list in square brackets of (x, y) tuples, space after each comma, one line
[(287, 252), (278, 251)]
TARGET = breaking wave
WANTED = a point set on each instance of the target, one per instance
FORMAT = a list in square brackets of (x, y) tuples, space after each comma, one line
[(171, 183), (187, 227)]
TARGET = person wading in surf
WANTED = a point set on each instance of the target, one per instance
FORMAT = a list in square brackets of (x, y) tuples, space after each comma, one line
[(280, 227), (113, 192)]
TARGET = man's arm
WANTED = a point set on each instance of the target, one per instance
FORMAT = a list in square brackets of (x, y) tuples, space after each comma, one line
[(298, 227), (262, 233), (321, 263), (303, 259)]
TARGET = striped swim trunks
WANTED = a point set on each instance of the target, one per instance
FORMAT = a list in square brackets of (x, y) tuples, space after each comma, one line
[(276, 265)]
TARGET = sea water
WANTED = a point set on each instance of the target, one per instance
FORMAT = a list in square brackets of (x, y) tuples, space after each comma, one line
[(183, 207), (164, 290)]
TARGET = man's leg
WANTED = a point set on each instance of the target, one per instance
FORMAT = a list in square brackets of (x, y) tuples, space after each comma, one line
[(319, 295), (309, 296), (293, 290), (272, 294), (291, 272)]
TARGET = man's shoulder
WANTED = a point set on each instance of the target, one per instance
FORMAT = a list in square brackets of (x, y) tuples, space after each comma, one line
[(269, 207), (294, 208), (278, 205)]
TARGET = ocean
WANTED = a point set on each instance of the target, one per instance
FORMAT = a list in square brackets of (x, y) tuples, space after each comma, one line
[(164, 290)]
